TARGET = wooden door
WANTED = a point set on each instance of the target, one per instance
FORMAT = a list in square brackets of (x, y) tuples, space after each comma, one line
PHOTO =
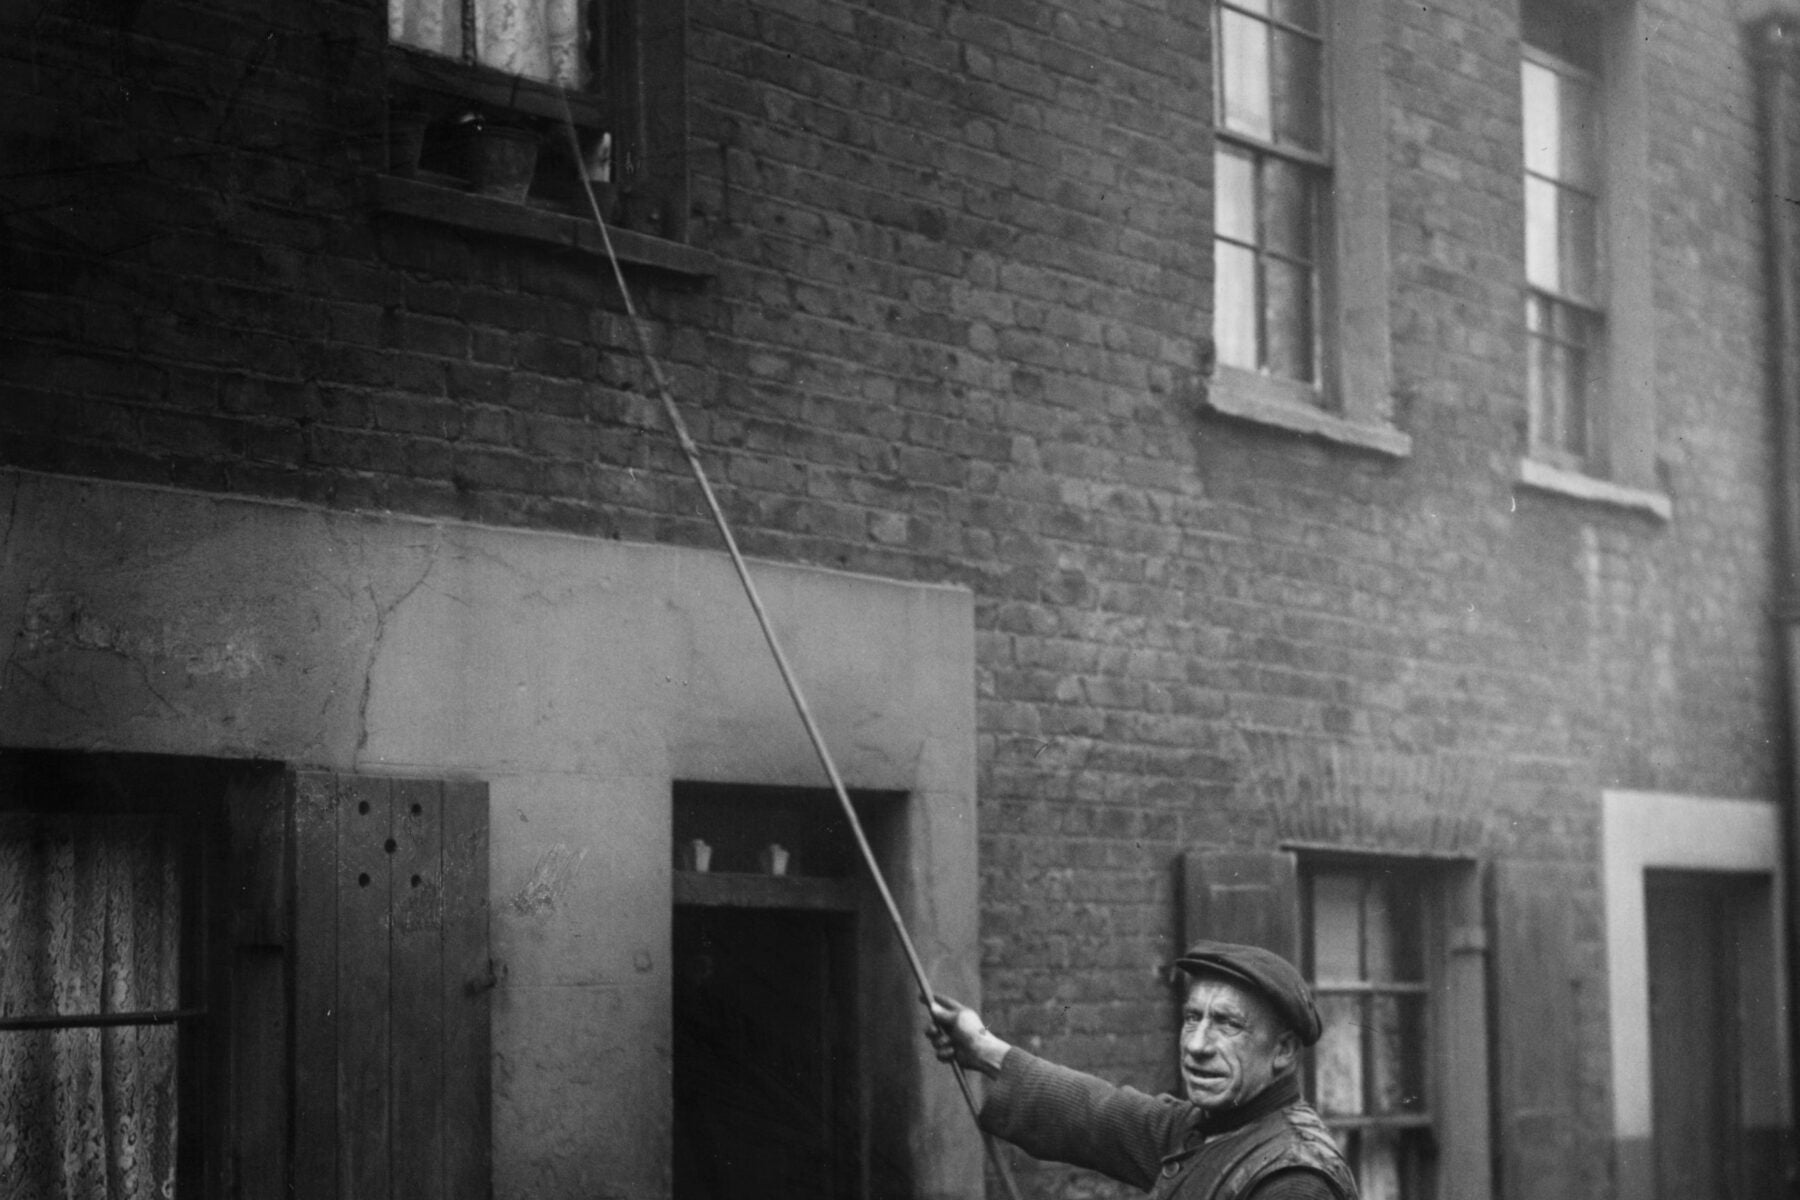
[(391, 1045)]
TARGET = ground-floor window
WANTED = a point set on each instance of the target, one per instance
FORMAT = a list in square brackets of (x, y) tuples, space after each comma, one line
[(109, 1020), (1366, 941)]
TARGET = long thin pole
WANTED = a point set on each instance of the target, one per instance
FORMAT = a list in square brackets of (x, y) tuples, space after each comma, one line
[(692, 453), (1775, 50)]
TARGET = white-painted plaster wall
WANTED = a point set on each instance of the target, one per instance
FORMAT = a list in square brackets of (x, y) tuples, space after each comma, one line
[(579, 678), (1643, 831)]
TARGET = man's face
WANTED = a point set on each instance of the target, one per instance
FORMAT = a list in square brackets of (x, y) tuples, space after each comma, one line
[(1232, 1044)]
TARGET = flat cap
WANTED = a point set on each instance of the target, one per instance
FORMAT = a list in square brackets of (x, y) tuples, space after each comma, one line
[(1268, 974)]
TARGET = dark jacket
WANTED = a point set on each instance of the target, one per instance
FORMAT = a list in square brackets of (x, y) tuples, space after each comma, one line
[(1163, 1144)]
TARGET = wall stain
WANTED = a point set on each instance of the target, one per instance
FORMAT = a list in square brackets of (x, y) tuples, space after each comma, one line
[(55, 621), (555, 869)]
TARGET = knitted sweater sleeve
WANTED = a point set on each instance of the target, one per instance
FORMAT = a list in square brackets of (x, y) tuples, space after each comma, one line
[(1055, 1113)]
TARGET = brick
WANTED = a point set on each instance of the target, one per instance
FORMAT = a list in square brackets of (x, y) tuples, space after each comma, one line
[(959, 334)]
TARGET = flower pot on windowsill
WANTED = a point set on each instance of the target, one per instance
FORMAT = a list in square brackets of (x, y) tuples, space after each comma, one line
[(502, 160), (406, 139)]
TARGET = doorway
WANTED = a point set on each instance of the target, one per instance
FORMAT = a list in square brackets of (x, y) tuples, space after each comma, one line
[(1693, 922), (764, 1054)]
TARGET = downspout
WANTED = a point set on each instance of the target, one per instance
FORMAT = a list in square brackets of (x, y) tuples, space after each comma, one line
[(1775, 50)]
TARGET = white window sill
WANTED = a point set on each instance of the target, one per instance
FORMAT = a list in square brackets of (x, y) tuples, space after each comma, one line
[(1557, 481), (1284, 405)]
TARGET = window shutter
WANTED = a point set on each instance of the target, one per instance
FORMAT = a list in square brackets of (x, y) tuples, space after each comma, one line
[(256, 806), (1249, 896), (1536, 1022), (391, 988)]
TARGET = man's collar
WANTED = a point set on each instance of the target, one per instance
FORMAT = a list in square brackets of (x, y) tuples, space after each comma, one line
[(1276, 1096)]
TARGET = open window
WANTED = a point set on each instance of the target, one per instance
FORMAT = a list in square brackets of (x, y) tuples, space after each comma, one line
[(480, 95)]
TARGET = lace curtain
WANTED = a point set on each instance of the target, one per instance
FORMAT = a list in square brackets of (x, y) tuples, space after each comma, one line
[(90, 922), (540, 39)]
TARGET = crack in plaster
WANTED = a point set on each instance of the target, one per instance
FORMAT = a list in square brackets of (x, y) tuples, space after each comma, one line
[(382, 614)]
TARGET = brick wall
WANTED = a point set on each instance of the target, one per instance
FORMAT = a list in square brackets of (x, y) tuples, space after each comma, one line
[(957, 333)]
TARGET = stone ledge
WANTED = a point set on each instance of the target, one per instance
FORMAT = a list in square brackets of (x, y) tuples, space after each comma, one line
[(1556, 481), (427, 201), (1252, 398)]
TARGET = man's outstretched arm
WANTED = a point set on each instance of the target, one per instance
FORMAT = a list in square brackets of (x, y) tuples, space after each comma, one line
[(1054, 1113)]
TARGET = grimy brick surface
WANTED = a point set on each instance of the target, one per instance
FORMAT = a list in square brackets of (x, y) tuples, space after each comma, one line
[(959, 333)]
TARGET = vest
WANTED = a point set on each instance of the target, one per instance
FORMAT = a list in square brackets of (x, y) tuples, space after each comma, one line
[(1228, 1165)]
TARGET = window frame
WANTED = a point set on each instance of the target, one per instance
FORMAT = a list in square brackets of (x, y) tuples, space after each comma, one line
[(1621, 469), (1351, 403), (1589, 312), (1419, 1128), (637, 94), (1314, 166), (191, 794), (1454, 952), (1253, 896)]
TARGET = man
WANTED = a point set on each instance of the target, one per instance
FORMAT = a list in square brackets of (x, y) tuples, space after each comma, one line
[(1243, 1132)]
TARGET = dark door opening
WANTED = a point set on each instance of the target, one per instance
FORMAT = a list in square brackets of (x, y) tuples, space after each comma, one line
[(1695, 1033), (764, 1054)]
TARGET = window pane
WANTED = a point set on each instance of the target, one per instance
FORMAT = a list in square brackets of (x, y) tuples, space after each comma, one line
[(1234, 305), (1538, 399), (539, 39), (1557, 385), (1394, 951), (1338, 1057), (89, 1112), (1299, 91), (90, 915), (1234, 189), (434, 25), (1378, 933), (1378, 1169), (1288, 221), (90, 922), (1396, 1045), (1542, 243), (1556, 398), (1288, 319), (1304, 13), (1543, 129), (1578, 240), (1569, 31), (1579, 117), (1337, 928), (1244, 70)]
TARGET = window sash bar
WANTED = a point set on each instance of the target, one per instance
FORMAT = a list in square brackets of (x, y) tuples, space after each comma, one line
[(1274, 22), (1568, 301), (1563, 185), (1256, 145), (1412, 1120), (162, 1016), (1367, 987), (1561, 66), (1265, 252)]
